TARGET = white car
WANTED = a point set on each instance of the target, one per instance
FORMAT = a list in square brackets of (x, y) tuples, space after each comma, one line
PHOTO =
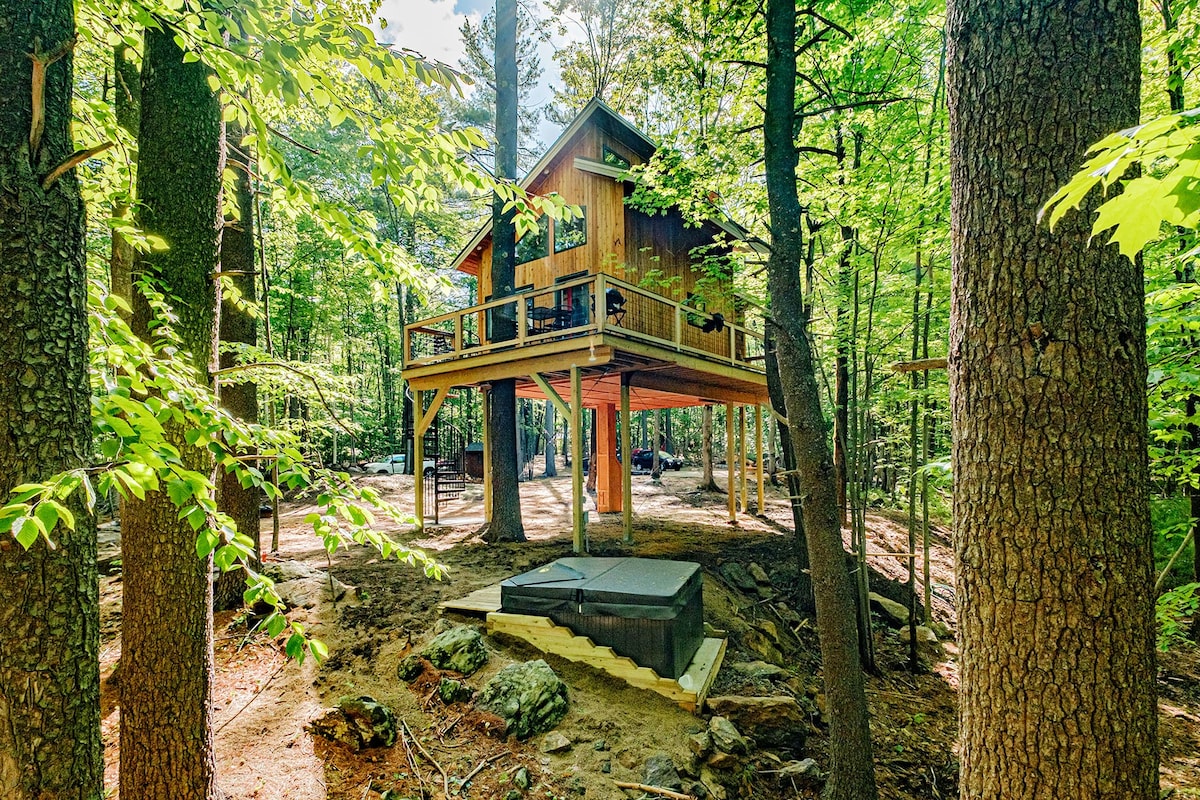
[(394, 465)]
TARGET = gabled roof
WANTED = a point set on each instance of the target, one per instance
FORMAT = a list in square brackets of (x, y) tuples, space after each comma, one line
[(603, 116)]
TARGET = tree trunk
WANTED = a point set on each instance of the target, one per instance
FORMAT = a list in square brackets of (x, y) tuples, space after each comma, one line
[(1048, 395), (852, 772), (551, 465), (49, 598), (167, 655), (506, 523), (708, 482), (237, 325), (127, 92)]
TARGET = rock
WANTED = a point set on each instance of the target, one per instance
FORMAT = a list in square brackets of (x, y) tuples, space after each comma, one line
[(700, 743), (529, 697), (761, 645), (460, 649), (606, 766), (698, 790), (777, 722), (942, 630), (759, 670), (725, 736), (788, 614), (452, 691), (357, 722), (924, 635), (599, 745), (768, 627), (804, 773), (512, 794), (719, 760), (410, 668), (521, 778), (893, 613), (301, 586), (737, 575), (555, 742), (660, 771), (759, 574)]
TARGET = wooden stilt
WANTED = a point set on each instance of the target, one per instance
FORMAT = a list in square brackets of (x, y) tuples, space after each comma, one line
[(487, 460), (626, 467), (419, 459), (758, 450), (576, 461), (730, 485), (742, 458)]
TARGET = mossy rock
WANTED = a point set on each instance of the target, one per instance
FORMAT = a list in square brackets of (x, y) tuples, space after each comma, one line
[(529, 697), (460, 649)]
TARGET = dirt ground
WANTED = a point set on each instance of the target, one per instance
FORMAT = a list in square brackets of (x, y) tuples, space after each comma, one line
[(263, 702)]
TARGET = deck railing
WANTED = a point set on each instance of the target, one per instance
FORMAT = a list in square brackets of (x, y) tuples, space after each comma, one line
[(581, 307)]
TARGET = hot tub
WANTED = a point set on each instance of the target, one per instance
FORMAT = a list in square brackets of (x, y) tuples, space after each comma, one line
[(646, 609)]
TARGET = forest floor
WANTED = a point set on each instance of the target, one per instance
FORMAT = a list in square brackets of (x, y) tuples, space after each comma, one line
[(263, 702)]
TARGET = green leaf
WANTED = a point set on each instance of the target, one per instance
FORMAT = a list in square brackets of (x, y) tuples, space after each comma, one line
[(275, 624), (25, 532), (47, 514), (206, 540)]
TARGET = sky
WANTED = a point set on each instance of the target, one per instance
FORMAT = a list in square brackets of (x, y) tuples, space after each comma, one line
[(431, 27)]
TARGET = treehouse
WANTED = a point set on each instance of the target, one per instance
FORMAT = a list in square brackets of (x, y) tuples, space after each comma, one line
[(614, 310)]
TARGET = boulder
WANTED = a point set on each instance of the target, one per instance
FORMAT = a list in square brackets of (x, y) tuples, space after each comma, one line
[(521, 778), (759, 670), (893, 613), (452, 691), (357, 722), (700, 743), (759, 574), (726, 738), (529, 697), (301, 586), (759, 643), (924, 635), (777, 722), (460, 649), (410, 668), (660, 771), (738, 576), (555, 742), (720, 760), (804, 773)]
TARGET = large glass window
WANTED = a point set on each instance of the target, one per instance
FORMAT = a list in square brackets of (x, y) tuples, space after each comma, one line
[(534, 244), (571, 233), (613, 158)]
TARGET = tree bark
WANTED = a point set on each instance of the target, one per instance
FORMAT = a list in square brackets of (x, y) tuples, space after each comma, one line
[(237, 325), (708, 481), (1048, 392), (551, 456), (852, 772), (49, 598), (506, 523), (127, 92), (167, 648)]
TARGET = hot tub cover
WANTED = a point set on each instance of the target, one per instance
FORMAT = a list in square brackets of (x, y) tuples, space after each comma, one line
[(632, 588)]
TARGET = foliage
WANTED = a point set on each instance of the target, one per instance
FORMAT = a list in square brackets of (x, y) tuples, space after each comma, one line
[(1173, 611)]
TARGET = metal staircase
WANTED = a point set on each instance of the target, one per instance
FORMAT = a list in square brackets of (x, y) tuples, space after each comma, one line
[(449, 478)]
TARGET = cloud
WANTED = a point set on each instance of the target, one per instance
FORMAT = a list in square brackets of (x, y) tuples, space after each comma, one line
[(429, 27)]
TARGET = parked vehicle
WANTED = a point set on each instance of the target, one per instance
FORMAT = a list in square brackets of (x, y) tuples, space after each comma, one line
[(394, 465), (644, 459)]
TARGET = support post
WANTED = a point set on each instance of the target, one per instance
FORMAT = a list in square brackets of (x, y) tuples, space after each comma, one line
[(419, 459), (730, 486), (487, 460), (576, 460), (626, 465), (608, 474), (758, 449), (742, 458)]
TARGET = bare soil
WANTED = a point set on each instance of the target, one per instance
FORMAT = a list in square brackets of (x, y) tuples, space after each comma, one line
[(263, 702)]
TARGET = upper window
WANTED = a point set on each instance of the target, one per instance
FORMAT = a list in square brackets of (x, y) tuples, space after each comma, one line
[(572, 232), (614, 159), (534, 244)]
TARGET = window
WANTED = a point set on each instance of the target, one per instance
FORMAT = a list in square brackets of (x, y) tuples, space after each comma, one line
[(614, 159), (571, 233), (535, 244)]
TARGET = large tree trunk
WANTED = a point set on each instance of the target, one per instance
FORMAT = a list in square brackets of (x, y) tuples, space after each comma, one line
[(708, 481), (49, 597), (167, 655), (506, 524), (238, 326), (852, 773), (127, 92), (551, 455), (1048, 388)]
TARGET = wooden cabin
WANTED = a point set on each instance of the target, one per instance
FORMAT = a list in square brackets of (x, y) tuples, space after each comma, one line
[(616, 309)]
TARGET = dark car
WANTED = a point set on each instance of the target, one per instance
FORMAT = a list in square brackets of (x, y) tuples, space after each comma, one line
[(644, 459)]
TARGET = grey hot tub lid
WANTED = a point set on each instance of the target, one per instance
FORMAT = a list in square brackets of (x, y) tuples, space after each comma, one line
[(644, 588)]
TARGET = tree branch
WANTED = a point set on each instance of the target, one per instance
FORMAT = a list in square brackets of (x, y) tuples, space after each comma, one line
[(72, 161), (37, 123), (883, 101), (821, 151), (289, 368)]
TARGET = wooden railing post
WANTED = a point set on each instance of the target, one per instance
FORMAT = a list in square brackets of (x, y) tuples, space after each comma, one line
[(600, 303)]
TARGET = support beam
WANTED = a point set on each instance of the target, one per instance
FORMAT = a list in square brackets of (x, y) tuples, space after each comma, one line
[(487, 460), (426, 419), (626, 467), (742, 458), (576, 461), (608, 470), (559, 404), (418, 464), (758, 449), (730, 486)]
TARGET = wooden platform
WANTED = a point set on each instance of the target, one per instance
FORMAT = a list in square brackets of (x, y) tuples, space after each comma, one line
[(689, 691), (479, 602)]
